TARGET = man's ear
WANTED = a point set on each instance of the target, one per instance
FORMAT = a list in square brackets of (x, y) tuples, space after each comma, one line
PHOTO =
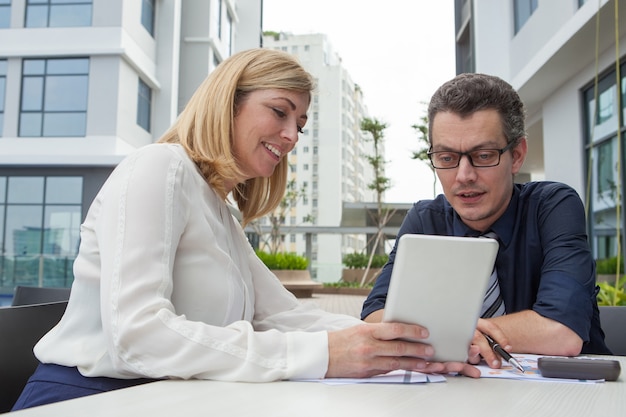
[(519, 155)]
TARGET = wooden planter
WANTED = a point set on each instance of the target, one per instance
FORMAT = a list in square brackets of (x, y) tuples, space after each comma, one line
[(356, 274), (610, 278), (298, 282)]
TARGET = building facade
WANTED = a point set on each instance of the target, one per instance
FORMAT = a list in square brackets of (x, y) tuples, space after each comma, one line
[(83, 83), (330, 162), (566, 60)]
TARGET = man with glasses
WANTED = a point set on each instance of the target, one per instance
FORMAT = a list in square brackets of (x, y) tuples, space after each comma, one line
[(545, 273)]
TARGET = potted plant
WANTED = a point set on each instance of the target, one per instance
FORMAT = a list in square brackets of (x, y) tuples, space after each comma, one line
[(356, 263), (612, 286), (612, 293), (606, 269), (291, 270)]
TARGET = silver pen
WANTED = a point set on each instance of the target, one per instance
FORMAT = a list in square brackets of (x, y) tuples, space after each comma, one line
[(504, 354)]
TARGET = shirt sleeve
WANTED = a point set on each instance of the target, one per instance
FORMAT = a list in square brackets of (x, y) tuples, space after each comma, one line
[(566, 290)]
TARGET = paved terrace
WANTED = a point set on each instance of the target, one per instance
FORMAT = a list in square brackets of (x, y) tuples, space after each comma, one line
[(338, 303)]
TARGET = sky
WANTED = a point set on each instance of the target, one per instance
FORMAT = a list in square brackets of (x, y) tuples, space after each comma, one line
[(398, 52)]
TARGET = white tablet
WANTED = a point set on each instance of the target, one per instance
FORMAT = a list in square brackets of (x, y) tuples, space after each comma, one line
[(439, 282)]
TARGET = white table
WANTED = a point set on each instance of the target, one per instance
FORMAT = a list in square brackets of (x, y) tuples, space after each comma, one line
[(459, 396)]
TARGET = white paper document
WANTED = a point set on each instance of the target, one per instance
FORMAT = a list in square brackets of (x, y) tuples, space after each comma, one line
[(393, 377), (531, 371)]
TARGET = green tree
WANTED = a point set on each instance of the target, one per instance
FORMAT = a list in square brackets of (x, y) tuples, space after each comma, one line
[(277, 218), (421, 154), (379, 185)]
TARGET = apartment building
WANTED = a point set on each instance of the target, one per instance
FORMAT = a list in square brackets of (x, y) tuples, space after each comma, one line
[(566, 59), (330, 161), (83, 83)]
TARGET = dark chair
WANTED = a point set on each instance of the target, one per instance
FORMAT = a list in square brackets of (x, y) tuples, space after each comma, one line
[(36, 295), (21, 327), (613, 321)]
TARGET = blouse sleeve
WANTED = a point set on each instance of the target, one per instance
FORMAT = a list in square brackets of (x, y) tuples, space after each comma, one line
[(143, 217)]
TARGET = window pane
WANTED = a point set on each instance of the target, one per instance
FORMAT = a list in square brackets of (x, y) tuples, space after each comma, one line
[(3, 82), (5, 16), (25, 190), (64, 124), (144, 101), (66, 93), (61, 229), (68, 66), (1, 235), (34, 67), (70, 15), (3, 190), (36, 17), (147, 15), (32, 93), (64, 190), (606, 105), (71, 1), (606, 180), (30, 124), (23, 230)]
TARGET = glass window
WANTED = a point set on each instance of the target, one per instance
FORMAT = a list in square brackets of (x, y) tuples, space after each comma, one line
[(523, 9), (147, 15), (54, 97), (3, 87), (605, 177), (227, 31), (602, 118), (219, 18), (602, 123), (5, 13), (214, 15), (25, 190), (58, 13), (144, 103), (39, 229)]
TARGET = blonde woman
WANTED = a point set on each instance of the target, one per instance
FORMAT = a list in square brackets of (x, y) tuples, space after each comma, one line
[(166, 284)]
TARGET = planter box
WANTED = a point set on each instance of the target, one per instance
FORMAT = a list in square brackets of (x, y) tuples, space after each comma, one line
[(356, 274), (343, 290), (610, 278), (298, 282)]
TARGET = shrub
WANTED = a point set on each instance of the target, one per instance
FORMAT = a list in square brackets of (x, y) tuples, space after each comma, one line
[(609, 266), (359, 260), (283, 260), (610, 295)]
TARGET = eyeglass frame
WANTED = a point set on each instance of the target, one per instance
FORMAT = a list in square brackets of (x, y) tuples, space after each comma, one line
[(500, 151)]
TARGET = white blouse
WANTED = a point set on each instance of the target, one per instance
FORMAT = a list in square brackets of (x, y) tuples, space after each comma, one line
[(167, 286)]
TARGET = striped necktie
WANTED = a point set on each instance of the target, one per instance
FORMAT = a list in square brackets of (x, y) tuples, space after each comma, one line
[(493, 304)]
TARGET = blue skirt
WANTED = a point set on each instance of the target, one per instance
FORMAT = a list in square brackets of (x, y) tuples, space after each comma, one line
[(52, 383)]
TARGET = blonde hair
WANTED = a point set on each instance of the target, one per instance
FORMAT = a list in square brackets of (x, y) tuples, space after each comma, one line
[(205, 126)]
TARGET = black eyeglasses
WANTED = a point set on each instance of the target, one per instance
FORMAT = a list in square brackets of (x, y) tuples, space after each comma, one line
[(480, 158)]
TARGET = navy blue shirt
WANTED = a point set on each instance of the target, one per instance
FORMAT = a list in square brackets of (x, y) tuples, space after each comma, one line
[(544, 262)]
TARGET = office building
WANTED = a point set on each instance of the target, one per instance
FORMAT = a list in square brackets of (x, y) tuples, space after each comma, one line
[(82, 84), (330, 162), (566, 59)]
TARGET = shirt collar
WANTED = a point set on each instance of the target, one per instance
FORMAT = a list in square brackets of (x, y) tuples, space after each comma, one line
[(503, 227)]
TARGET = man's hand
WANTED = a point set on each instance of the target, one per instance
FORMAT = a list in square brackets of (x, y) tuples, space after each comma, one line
[(480, 348)]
